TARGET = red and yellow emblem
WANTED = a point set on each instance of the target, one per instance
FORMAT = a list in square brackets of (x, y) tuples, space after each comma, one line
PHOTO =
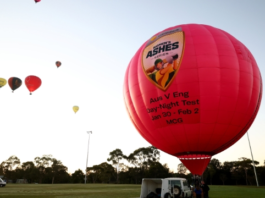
[(162, 57)]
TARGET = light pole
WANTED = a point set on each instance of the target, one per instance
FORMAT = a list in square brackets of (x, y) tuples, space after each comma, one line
[(89, 132), (253, 162)]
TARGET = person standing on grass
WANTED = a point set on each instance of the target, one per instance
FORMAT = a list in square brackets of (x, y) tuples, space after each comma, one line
[(205, 189), (198, 191)]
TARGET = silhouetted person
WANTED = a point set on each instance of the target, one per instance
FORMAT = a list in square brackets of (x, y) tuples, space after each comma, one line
[(205, 189)]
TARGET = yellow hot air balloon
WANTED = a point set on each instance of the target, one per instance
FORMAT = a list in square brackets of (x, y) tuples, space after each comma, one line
[(2, 82), (75, 108)]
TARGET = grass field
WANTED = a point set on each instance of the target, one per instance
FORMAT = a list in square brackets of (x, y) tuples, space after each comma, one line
[(112, 191)]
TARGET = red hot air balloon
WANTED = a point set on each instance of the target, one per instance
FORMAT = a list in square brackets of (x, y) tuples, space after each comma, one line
[(37, 1), (58, 64), (14, 83), (192, 91), (32, 83)]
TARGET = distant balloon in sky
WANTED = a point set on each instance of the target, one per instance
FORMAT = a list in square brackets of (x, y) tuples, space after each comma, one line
[(37, 1), (75, 108), (58, 64), (192, 91), (2, 82), (32, 83), (14, 83)]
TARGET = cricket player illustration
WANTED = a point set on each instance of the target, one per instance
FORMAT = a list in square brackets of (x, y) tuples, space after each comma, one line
[(163, 70)]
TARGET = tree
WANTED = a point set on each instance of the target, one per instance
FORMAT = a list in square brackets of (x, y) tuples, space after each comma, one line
[(102, 172), (246, 164), (94, 172), (227, 169), (182, 168), (236, 175), (9, 165), (223, 177), (205, 174), (1, 169), (41, 164), (143, 157), (157, 170), (29, 171), (212, 171), (12, 162), (236, 172), (213, 167), (115, 157), (57, 169), (132, 160), (215, 163), (123, 168), (44, 161), (78, 176), (108, 172)]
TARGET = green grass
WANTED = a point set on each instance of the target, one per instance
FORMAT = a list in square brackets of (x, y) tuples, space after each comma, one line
[(237, 192), (112, 191)]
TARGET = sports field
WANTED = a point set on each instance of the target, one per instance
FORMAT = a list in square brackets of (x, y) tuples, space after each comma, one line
[(112, 191)]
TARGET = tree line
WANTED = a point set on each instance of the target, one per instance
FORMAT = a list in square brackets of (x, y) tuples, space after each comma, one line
[(119, 168)]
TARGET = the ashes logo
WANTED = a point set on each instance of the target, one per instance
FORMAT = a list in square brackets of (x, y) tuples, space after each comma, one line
[(162, 57)]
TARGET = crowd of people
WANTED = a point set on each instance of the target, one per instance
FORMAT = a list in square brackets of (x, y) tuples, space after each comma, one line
[(201, 191)]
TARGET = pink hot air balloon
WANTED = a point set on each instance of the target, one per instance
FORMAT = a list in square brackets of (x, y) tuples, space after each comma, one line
[(37, 1), (193, 91)]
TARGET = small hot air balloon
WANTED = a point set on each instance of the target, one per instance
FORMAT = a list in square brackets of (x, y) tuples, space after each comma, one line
[(58, 64), (14, 83), (2, 82), (75, 108), (32, 83), (37, 1)]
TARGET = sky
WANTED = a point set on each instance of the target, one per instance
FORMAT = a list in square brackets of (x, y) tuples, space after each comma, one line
[(95, 41)]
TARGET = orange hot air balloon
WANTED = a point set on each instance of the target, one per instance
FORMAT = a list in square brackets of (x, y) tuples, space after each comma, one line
[(192, 91), (32, 83)]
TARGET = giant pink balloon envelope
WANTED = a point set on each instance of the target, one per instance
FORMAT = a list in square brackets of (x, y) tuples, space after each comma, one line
[(192, 91)]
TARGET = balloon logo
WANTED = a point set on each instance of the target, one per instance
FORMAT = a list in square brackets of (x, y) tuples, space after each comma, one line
[(75, 108), (161, 70), (2, 82), (192, 91), (32, 83), (14, 83), (58, 64)]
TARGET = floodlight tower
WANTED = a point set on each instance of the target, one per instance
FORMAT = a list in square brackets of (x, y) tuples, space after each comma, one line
[(253, 161), (89, 132)]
